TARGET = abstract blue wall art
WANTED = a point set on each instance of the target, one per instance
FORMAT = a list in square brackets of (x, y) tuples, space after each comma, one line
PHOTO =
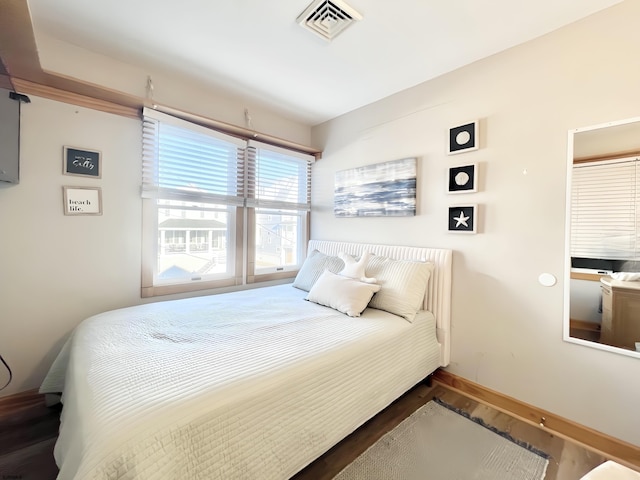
[(381, 190)]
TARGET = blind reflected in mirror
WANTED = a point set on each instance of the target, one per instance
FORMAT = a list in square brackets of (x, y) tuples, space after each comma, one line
[(602, 293)]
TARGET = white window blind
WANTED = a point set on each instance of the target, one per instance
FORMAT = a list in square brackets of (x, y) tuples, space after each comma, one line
[(185, 161), (278, 178), (605, 210)]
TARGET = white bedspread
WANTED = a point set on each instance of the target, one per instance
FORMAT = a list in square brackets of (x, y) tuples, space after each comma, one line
[(248, 385)]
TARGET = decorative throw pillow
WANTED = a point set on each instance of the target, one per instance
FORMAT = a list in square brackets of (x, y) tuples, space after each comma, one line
[(344, 294), (355, 268), (403, 283), (312, 268)]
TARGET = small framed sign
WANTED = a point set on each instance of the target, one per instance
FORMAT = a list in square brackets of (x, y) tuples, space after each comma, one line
[(464, 138), (82, 200), (463, 179), (463, 218), (82, 162)]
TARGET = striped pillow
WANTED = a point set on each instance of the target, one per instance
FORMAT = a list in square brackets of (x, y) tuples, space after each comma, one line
[(403, 283), (313, 266)]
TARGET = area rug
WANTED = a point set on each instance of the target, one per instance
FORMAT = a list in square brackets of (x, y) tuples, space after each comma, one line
[(437, 443)]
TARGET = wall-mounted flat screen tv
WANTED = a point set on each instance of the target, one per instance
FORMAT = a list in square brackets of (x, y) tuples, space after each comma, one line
[(9, 137)]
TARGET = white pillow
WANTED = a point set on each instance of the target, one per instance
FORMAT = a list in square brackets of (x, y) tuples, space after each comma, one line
[(344, 294), (312, 268), (403, 283), (354, 268)]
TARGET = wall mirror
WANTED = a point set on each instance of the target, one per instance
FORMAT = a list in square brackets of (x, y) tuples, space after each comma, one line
[(602, 284)]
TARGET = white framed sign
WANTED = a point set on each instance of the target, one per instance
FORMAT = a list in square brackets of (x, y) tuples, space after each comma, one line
[(82, 200)]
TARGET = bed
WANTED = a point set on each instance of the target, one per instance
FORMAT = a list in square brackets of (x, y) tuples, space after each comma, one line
[(250, 384)]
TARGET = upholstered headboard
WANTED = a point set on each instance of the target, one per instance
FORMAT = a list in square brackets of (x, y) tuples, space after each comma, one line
[(438, 295)]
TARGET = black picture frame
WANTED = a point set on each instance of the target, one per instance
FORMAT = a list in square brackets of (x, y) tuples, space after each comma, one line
[(82, 162), (463, 218), (464, 138), (463, 179)]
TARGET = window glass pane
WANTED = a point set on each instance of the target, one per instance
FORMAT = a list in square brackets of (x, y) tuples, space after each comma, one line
[(193, 241), (279, 239)]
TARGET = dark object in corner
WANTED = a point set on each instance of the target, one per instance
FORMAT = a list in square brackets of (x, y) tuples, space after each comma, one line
[(8, 370), (429, 380), (10, 103), (606, 265), (19, 97)]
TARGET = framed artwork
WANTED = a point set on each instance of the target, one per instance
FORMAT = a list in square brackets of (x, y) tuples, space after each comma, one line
[(463, 179), (464, 138), (463, 218), (82, 162), (82, 200), (379, 190)]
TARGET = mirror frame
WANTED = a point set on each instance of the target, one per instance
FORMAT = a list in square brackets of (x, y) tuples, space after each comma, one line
[(567, 247)]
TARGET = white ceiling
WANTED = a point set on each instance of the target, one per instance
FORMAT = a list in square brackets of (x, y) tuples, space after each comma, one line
[(255, 48)]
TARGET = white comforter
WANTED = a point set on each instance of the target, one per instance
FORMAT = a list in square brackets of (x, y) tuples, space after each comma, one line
[(248, 385)]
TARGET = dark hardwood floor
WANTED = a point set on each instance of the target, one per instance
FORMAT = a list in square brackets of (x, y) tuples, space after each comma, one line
[(568, 461), (28, 434)]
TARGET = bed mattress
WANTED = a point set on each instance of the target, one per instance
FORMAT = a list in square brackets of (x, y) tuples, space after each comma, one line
[(250, 384)]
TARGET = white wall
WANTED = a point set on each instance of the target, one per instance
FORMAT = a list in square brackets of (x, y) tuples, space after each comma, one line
[(169, 89), (507, 328), (57, 270)]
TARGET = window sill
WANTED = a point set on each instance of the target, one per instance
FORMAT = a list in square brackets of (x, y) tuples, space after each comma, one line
[(588, 274)]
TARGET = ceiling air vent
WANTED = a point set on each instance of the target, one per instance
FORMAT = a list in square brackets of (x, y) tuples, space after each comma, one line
[(328, 18)]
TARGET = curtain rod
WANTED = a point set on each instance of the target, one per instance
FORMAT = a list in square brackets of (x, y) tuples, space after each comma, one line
[(234, 130)]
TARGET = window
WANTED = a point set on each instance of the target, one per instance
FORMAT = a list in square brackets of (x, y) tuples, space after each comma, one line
[(605, 210), (218, 211), (279, 201)]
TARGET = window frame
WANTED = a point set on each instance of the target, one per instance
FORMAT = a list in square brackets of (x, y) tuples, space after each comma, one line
[(254, 276), (300, 202), (244, 233)]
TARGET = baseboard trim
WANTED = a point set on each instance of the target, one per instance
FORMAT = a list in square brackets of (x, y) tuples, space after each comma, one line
[(598, 442), (15, 403)]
